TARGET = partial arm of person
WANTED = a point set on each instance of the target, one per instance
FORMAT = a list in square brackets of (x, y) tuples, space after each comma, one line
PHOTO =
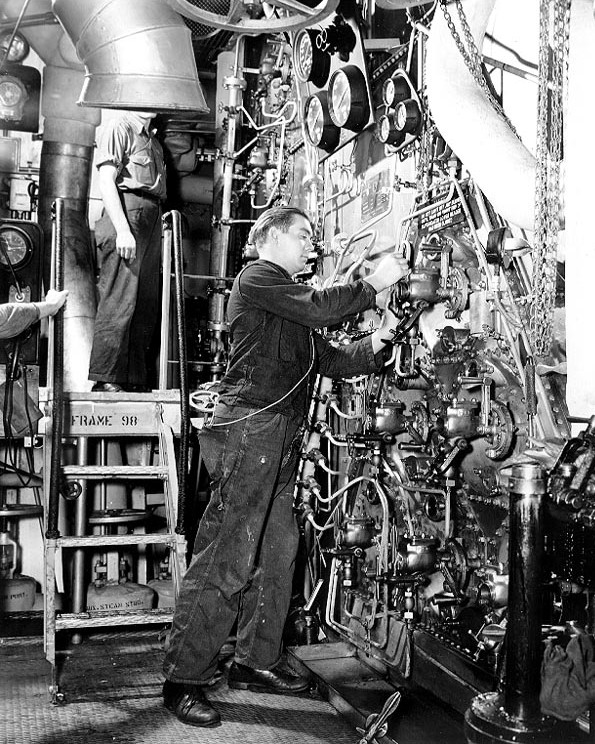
[(362, 357), (125, 241), (265, 286), (15, 317)]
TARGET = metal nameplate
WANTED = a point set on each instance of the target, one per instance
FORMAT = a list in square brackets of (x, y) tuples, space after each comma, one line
[(96, 418)]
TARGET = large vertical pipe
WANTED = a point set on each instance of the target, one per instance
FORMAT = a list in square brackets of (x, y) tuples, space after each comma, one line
[(227, 124), (524, 648), (515, 715)]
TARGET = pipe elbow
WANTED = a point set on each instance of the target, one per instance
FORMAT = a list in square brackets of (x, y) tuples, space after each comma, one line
[(502, 167), (137, 53)]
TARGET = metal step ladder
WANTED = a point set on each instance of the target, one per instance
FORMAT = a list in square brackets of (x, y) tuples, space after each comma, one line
[(158, 417)]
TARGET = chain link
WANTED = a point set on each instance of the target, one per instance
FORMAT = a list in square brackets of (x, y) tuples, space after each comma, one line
[(553, 66)]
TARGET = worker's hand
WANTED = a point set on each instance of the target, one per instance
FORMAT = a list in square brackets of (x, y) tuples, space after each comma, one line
[(126, 245), (385, 333), (388, 324), (388, 272), (52, 303)]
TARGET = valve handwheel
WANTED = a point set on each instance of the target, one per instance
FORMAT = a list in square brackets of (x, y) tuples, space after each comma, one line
[(278, 15)]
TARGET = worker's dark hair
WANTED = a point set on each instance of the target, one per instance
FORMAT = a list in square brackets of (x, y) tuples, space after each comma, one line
[(280, 217)]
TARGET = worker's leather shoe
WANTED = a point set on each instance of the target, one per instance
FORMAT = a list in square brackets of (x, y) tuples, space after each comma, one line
[(106, 387), (279, 681), (189, 704)]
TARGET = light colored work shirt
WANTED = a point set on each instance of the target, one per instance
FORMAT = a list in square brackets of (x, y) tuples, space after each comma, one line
[(136, 153)]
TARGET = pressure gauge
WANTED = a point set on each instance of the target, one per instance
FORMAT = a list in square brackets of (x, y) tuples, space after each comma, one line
[(408, 116), (394, 90), (348, 98), (387, 133), (15, 248), (311, 64), (320, 130), (12, 92)]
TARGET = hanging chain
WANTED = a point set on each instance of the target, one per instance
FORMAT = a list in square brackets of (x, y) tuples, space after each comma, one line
[(423, 173), (471, 55), (553, 65)]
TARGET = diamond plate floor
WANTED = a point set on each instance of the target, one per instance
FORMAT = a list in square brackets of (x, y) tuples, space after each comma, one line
[(113, 688)]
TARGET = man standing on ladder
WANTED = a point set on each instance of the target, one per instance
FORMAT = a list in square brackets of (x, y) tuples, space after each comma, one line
[(128, 234), (247, 541)]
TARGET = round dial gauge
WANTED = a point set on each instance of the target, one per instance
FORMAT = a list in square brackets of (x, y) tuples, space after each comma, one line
[(386, 132), (408, 116), (395, 89), (320, 130), (311, 64), (15, 248), (348, 98), (12, 91)]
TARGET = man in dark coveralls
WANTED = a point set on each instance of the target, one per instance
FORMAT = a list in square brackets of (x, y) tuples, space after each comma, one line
[(128, 236), (247, 540)]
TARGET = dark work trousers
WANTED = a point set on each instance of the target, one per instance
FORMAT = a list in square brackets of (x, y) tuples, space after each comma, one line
[(245, 549), (128, 306)]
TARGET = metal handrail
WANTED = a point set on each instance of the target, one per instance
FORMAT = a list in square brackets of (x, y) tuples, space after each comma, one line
[(172, 234), (55, 371)]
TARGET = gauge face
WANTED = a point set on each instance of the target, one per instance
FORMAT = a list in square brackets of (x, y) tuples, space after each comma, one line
[(386, 132), (388, 92), (314, 120), (348, 98), (11, 93), (15, 248), (311, 64), (383, 128), (340, 92), (395, 89), (320, 130), (407, 116), (304, 49)]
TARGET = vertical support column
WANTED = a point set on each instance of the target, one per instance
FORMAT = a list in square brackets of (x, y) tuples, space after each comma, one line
[(515, 715), (80, 524), (524, 649), (227, 122)]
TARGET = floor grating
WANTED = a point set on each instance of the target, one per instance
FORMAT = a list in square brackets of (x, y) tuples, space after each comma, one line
[(113, 687)]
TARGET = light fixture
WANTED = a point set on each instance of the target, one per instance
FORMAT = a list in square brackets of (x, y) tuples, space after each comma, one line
[(20, 88), (19, 47)]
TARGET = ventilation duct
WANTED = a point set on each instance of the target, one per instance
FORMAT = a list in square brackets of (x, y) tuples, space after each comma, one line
[(137, 53)]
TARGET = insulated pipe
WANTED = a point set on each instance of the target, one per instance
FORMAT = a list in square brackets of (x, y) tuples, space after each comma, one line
[(579, 161), (502, 167), (65, 172), (137, 54)]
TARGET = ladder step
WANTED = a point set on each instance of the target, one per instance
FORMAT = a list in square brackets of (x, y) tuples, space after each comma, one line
[(115, 471), (83, 541), (104, 618)]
